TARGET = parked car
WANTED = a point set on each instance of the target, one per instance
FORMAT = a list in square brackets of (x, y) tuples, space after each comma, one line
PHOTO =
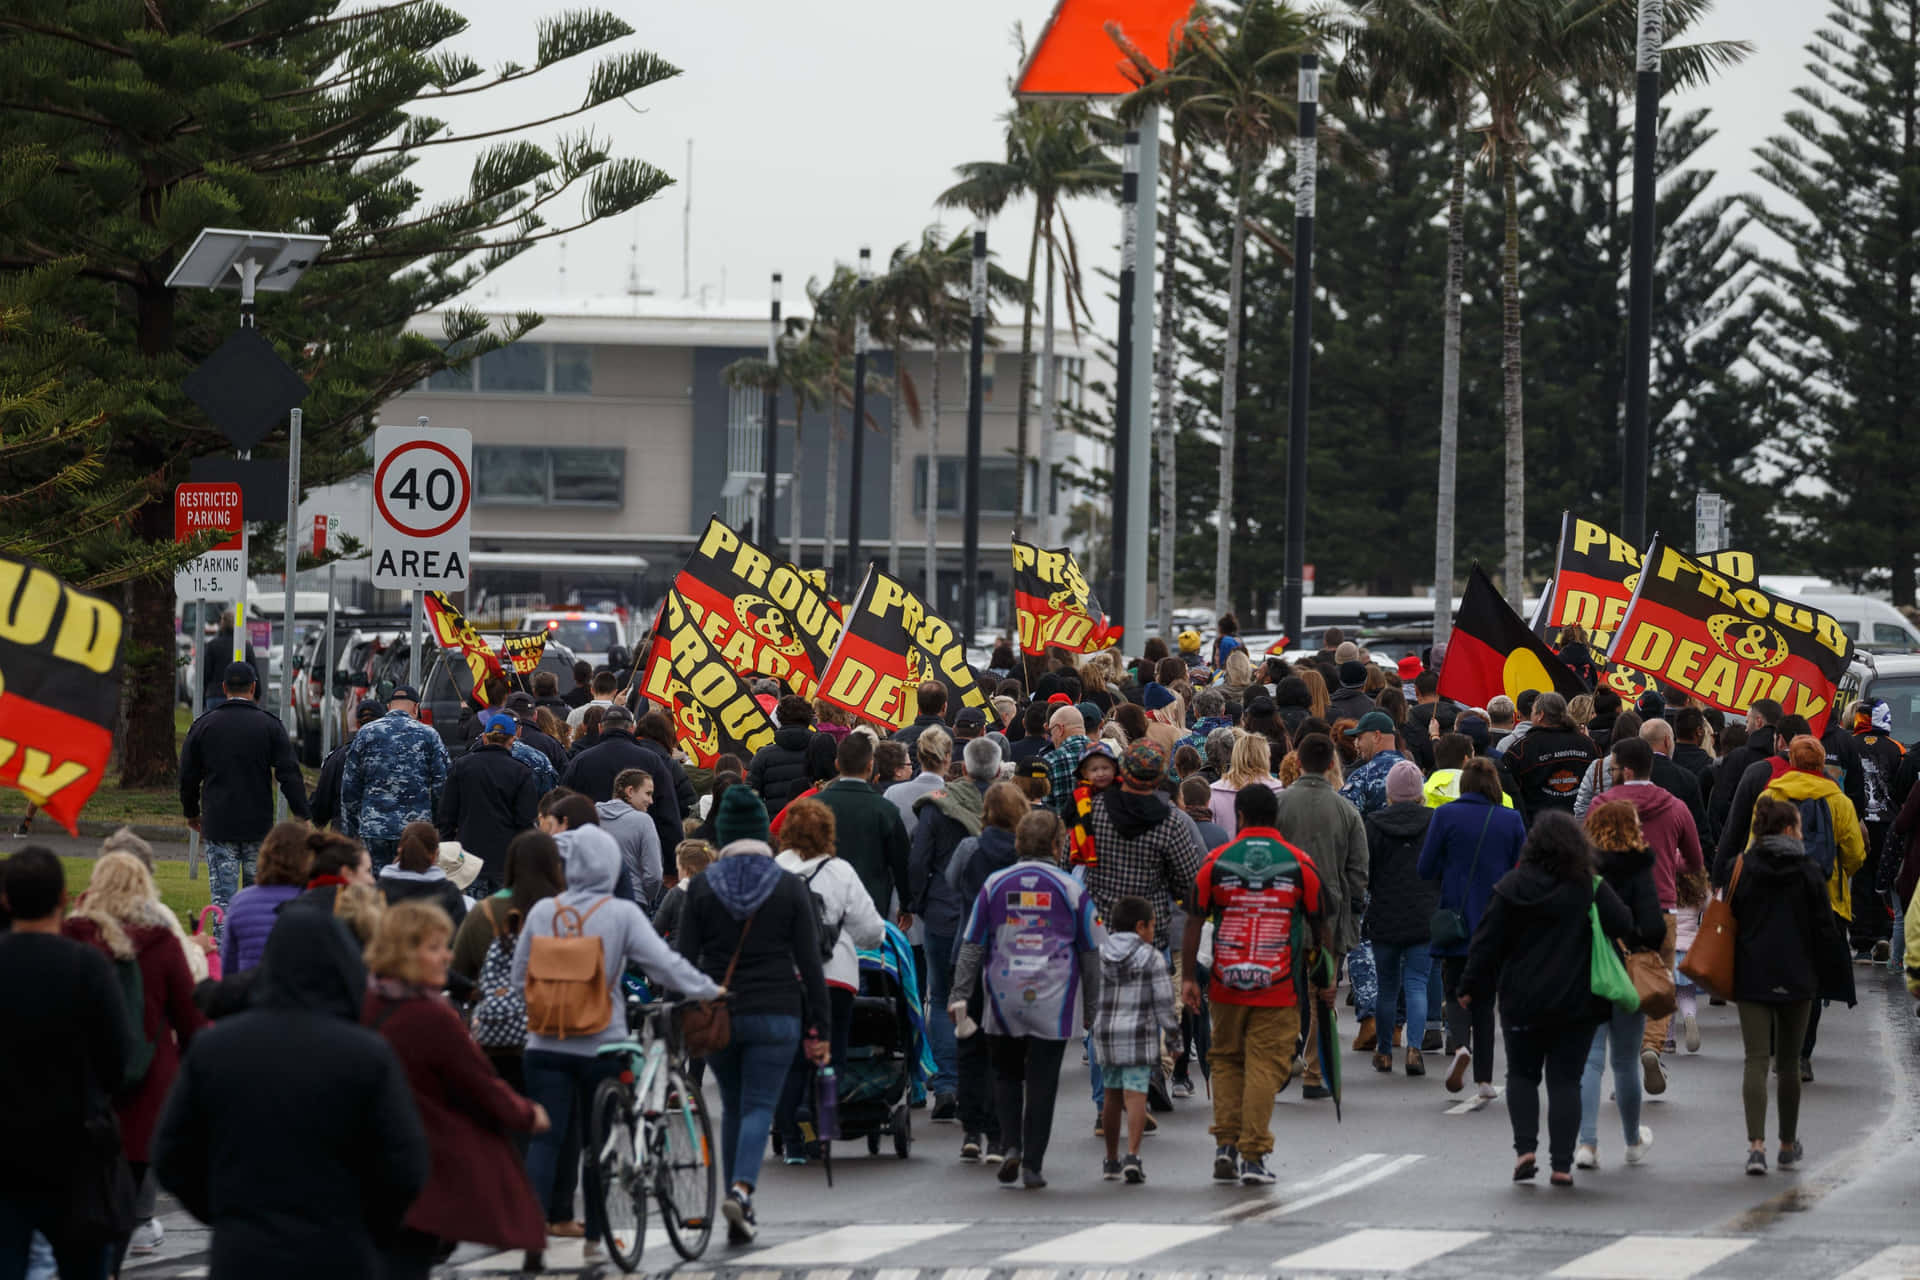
[(1892, 678), (446, 682)]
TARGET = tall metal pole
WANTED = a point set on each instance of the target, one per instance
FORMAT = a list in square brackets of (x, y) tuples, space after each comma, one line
[(413, 638), (1306, 162), (293, 569), (1146, 211), (1646, 128), (860, 340), (1116, 601), (197, 612), (976, 403), (330, 709), (769, 449)]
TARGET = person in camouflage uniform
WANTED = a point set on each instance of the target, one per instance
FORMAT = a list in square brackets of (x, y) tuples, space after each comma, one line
[(545, 778), (394, 771)]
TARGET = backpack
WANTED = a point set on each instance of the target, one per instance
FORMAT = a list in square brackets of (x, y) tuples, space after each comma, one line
[(826, 932), (566, 991), (133, 998), (500, 1014), (1817, 835)]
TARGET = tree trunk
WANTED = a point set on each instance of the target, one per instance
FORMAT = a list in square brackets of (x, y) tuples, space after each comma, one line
[(148, 755), (1020, 413), (933, 480), (793, 482), (896, 462), (1229, 386), (832, 495), (1163, 388), (1515, 580), (1450, 389), (1050, 391)]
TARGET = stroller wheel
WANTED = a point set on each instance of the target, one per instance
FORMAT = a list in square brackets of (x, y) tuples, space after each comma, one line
[(873, 1144), (903, 1134)]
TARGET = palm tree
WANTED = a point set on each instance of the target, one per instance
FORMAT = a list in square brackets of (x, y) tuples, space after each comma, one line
[(1236, 81), (1054, 152)]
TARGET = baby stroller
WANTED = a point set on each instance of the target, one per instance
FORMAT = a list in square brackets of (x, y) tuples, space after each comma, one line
[(887, 1054)]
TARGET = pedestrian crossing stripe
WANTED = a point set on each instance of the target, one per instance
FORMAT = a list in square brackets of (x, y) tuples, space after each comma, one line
[(1651, 1258), (1379, 1249), (857, 1243), (1112, 1242)]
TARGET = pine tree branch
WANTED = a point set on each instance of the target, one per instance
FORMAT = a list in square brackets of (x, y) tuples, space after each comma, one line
[(289, 35), (63, 33)]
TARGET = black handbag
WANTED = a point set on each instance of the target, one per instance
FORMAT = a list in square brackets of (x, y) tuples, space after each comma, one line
[(99, 1201), (1448, 928)]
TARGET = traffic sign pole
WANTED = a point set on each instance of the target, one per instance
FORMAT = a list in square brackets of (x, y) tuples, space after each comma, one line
[(413, 647), (197, 656), (293, 569)]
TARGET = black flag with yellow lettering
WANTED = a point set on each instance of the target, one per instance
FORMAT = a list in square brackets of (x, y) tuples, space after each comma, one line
[(1493, 652), (1055, 605), (713, 710), (59, 689), (765, 616), (1728, 642), (891, 644)]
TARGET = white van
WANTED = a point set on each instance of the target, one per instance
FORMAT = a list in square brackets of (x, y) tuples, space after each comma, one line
[(590, 635), (1870, 622)]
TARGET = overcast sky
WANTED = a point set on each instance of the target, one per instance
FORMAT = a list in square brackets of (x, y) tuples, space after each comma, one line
[(819, 127)]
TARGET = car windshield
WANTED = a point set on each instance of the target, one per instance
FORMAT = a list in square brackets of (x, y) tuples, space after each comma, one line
[(1902, 694), (582, 635)]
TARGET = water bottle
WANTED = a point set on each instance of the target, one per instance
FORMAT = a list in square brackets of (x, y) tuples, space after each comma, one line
[(826, 1105)]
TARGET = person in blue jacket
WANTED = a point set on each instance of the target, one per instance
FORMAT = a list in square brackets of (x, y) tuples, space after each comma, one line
[(1470, 844)]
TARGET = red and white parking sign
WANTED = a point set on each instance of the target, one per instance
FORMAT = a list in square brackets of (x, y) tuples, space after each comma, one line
[(422, 508), (221, 572)]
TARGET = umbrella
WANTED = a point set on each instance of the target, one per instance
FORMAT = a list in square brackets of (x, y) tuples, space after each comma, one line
[(1327, 1023), (826, 1115)]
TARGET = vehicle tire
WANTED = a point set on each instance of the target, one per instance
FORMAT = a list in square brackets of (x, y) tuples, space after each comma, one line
[(903, 1132), (623, 1189), (873, 1143), (686, 1179)]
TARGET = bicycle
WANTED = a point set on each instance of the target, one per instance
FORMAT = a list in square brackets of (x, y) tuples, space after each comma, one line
[(651, 1137)]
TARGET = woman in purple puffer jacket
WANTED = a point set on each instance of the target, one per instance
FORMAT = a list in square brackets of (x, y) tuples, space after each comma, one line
[(278, 880)]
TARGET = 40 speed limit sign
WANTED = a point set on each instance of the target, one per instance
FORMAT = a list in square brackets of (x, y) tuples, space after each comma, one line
[(422, 501)]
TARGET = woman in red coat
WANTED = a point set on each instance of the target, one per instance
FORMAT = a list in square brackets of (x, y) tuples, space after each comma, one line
[(478, 1189), (122, 915)]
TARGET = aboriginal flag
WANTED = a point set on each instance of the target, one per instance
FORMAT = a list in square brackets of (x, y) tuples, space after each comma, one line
[(1493, 652), (59, 689)]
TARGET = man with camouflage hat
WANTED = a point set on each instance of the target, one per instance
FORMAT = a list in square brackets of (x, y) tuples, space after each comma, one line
[(394, 771)]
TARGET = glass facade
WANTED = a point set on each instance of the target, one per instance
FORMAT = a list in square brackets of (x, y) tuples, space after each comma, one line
[(507, 475), (524, 368)]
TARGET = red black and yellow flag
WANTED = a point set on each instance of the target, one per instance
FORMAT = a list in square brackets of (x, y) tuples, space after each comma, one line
[(452, 632), (891, 644), (59, 689), (763, 615), (712, 707), (1055, 605), (1492, 651)]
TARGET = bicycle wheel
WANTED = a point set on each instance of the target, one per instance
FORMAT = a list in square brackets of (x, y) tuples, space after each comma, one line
[(623, 1189), (686, 1179)]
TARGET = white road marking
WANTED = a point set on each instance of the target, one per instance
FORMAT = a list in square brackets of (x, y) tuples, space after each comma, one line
[(1652, 1258), (1113, 1242), (897, 1273), (1032, 1273), (1379, 1249), (965, 1273), (852, 1244), (1476, 1102), (1367, 1178), (1261, 1203), (562, 1254), (830, 1273), (1901, 1261)]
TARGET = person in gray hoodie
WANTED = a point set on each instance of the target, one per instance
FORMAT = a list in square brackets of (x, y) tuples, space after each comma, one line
[(562, 1074), (626, 819)]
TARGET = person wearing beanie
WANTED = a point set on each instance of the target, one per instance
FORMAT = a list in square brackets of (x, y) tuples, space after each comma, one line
[(1400, 913), (1350, 700), (740, 815)]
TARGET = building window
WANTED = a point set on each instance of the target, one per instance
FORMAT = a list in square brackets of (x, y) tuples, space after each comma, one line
[(998, 485), (524, 368), (572, 369), (507, 475), (520, 367)]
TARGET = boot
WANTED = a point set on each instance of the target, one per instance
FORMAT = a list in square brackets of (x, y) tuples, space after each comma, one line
[(1366, 1038)]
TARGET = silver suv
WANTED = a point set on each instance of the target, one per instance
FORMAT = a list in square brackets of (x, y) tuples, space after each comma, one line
[(1892, 678)]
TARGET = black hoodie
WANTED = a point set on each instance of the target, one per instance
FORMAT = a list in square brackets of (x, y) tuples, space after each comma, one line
[(291, 1130), (1534, 946), (1629, 873), (1401, 905), (1785, 922)]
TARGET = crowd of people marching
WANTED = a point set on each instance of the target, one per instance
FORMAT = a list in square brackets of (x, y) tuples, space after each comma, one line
[(1173, 863)]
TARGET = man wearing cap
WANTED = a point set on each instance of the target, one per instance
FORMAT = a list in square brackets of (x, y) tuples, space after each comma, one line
[(1350, 700), (526, 713), (233, 754), (1409, 670), (394, 770), (490, 797), (326, 790), (592, 773), (969, 723), (1366, 790)]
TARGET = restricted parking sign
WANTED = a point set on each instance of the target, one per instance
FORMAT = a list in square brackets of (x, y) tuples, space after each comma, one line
[(220, 573), (422, 500)]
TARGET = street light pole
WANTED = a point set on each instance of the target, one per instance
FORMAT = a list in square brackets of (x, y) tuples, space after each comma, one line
[(769, 449), (1305, 175), (1646, 131), (976, 397), (1122, 491), (861, 337)]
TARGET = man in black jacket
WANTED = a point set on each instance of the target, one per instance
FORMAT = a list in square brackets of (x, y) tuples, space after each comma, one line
[(1762, 716), (489, 799), (326, 790), (524, 710), (798, 756), (290, 1129), (592, 773), (655, 732), (1670, 777), (232, 754), (931, 698), (1549, 761), (217, 654)]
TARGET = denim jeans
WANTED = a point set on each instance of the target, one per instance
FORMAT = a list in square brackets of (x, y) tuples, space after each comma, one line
[(563, 1083), (1401, 970), (20, 1217), (1623, 1032), (939, 1026), (752, 1070), (1366, 986), (229, 870)]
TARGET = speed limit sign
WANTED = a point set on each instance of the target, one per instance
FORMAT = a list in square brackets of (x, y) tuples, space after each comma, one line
[(422, 499)]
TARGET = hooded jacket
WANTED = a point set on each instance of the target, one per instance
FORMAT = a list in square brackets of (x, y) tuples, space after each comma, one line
[(746, 885), (1785, 924), (1469, 847), (430, 885), (592, 772), (1669, 831), (1630, 873), (977, 858), (1348, 701), (592, 862), (639, 842), (944, 819), (291, 1130), (1135, 1003), (1401, 904), (798, 757), (843, 902), (1534, 946), (489, 798), (1796, 786), (1146, 847), (1546, 764)]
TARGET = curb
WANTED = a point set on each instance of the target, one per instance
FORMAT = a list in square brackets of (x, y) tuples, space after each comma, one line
[(148, 831)]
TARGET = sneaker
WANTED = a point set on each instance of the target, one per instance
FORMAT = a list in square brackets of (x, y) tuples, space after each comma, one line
[(1134, 1172), (1586, 1157), (1383, 1063), (794, 1159), (1486, 1092), (1652, 1077), (1432, 1040), (1757, 1163), (1791, 1154), (1366, 1037), (1009, 1168), (970, 1148), (1226, 1164), (946, 1109), (1806, 1071), (1110, 1170), (147, 1237), (1152, 1126), (1416, 1064), (996, 1152), (1031, 1180), (1457, 1073), (737, 1209), (592, 1251), (1314, 1092), (1182, 1087), (1254, 1173), (1881, 950), (1099, 1124), (1690, 1027), (1638, 1152)]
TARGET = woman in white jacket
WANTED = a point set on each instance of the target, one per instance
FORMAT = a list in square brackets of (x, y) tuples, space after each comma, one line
[(847, 913)]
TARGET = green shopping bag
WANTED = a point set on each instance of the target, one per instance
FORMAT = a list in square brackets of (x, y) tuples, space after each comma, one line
[(1607, 976)]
